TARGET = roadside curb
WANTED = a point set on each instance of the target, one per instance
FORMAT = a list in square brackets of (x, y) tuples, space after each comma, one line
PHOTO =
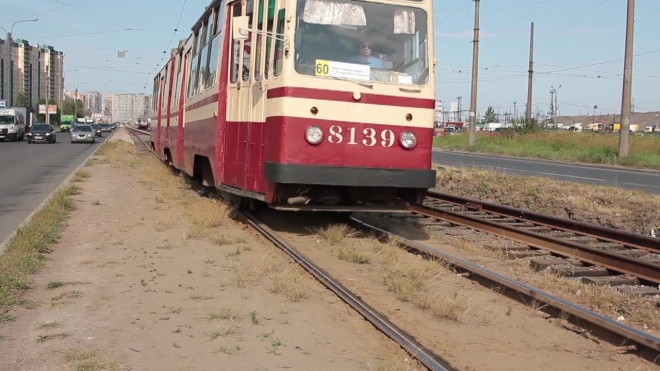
[(557, 162), (65, 182)]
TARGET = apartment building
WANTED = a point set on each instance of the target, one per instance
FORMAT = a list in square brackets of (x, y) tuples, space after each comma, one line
[(37, 72), (93, 102), (107, 106), (130, 107)]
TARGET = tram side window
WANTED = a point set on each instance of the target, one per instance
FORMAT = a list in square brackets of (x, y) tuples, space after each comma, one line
[(166, 88), (163, 104), (154, 102), (177, 81), (247, 47), (279, 43), (235, 49), (214, 52), (202, 56), (193, 75)]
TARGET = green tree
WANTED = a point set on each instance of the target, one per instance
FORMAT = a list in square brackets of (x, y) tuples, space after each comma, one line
[(69, 108), (20, 100), (490, 116)]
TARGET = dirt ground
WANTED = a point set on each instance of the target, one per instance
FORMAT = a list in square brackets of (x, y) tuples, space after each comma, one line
[(473, 327), (613, 207), (148, 276)]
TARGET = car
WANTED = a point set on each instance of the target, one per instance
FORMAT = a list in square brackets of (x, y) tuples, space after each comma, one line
[(97, 130), (83, 133), (106, 127), (42, 133)]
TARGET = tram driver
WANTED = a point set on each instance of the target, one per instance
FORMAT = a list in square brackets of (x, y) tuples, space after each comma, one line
[(365, 57)]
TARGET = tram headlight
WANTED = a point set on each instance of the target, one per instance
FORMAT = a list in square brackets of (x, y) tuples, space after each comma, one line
[(408, 140), (314, 135)]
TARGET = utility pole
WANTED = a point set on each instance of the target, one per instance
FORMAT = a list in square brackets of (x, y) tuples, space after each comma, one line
[(624, 132), (459, 112), (47, 93), (515, 110), (552, 105), (475, 70), (528, 116), (75, 107)]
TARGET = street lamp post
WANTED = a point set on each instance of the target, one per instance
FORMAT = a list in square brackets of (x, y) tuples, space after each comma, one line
[(62, 86), (11, 63), (75, 102), (554, 105), (2, 85)]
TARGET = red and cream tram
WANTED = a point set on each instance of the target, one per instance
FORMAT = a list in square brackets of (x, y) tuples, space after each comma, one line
[(321, 104)]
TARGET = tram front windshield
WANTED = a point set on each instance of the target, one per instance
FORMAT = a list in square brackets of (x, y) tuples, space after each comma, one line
[(361, 40)]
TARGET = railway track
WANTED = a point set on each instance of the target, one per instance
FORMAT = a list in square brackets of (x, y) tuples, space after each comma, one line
[(424, 355), (645, 345), (627, 261)]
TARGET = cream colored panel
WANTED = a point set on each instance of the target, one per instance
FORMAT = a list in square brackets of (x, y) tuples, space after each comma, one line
[(350, 112), (200, 113)]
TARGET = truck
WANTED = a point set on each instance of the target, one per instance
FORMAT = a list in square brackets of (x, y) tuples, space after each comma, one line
[(14, 123), (66, 121)]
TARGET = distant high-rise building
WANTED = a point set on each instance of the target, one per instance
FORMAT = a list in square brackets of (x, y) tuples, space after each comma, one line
[(107, 107), (130, 107), (93, 102), (38, 72)]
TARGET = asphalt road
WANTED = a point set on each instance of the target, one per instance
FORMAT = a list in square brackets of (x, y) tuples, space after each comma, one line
[(648, 181), (30, 172)]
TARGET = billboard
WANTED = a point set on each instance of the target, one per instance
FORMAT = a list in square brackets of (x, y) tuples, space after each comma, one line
[(52, 109)]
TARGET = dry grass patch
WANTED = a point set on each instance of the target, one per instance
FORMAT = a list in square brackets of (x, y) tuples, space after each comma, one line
[(24, 254), (631, 210), (80, 176), (52, 285), (45, 338), (354, 254), (204, 215), (223, 332), (635, 309), (222, 313), (120, 154), (334, 233), (162, 225), (48, 325), (65, 298), (292, 282), (452, 309), (247, 275), (158, 176), (88, 360)]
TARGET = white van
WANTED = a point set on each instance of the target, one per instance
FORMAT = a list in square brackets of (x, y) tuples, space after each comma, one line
[(12, 124)]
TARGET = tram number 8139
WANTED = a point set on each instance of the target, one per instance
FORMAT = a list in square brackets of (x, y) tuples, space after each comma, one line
[(370, 137)]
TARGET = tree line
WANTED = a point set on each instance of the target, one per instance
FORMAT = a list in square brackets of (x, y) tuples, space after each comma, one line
[(69, 108)]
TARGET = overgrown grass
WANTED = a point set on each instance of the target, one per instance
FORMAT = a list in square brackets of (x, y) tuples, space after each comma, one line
[(24, 253), (632, 210), (568, 146)]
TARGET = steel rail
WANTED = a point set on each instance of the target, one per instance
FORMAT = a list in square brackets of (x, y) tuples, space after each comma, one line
[(621, 331), (625, 238), (417, 350), (407, 341), (607, 259)]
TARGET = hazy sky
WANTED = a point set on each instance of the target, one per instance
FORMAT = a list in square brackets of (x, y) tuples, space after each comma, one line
[(579, 45)]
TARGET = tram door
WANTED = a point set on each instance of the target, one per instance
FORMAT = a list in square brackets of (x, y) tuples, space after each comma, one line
[(246, 102), (237, 104)]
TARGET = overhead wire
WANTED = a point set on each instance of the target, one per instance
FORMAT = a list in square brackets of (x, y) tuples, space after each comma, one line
[(176, 30), (44, 12)]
